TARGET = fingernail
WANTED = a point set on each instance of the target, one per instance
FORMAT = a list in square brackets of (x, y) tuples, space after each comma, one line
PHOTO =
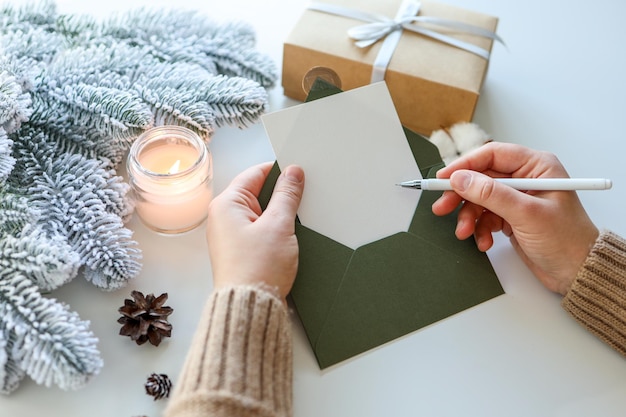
[(459, 227), (294, 174), (461, 180)]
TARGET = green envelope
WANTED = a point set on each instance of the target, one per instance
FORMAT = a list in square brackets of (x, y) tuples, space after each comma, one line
[(350, 301)]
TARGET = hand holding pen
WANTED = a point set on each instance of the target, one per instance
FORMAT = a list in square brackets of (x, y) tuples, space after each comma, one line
[(550, 230)]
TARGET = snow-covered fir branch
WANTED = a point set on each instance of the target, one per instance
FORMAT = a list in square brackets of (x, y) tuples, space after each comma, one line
[(48, 262), (74, 94), (238, 101), (10, 372), (42, 338), (79, 199), (7, 162), (15, 214), (14, 103)]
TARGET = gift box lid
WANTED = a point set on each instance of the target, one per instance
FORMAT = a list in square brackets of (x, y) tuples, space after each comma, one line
[(416, 55)]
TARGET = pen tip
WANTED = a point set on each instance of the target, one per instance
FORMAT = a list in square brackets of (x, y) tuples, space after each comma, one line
[(410, 184)]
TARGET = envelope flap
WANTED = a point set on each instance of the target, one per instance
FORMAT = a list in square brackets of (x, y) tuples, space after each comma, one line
[(320, 271), (395, 286), (425, 153), (439, 231)]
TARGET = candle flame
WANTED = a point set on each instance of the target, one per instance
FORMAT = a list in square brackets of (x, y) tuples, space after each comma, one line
[(174, 169)]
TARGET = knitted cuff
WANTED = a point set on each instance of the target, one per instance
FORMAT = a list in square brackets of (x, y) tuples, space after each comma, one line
[(597, 298), (240, 361)]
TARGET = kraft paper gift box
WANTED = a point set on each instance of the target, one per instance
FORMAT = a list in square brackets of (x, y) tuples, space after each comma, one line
[(433, 84)]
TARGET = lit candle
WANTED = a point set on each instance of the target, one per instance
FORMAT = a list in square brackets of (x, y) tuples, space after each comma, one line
[(171, 175)]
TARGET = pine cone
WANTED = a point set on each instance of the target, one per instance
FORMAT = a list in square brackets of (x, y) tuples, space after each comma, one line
[(145, 318), (158, 386)]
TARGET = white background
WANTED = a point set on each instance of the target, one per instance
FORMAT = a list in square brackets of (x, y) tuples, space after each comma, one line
[(557, 86)]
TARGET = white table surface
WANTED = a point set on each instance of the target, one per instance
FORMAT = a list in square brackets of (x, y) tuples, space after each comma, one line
[(557, 86)]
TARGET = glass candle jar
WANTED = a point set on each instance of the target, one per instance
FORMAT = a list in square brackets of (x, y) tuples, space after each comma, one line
[(170, 171)]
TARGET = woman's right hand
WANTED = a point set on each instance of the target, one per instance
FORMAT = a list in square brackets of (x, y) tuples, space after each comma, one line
[(550, 230)]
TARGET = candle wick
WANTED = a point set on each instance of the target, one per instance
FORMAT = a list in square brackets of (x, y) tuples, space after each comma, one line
[(175, 167)]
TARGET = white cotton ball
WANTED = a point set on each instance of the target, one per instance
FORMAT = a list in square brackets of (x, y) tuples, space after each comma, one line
[(468, 136), (444, 144)]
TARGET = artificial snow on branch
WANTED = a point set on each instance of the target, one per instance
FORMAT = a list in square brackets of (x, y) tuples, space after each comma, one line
[(75, 92), (42, 338)]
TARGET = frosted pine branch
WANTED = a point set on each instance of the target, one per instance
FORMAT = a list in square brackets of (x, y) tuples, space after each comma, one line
[(10, 372), (98, 65), (108, 110), (235, 101), (76, 30), (179, 36), (28, 15), (234, 61), (174, 100), (14, 103), (228, 100), (74, 94), (43, 338), (49, 263), (77, 199), (69, 138), (15, 214), (158, 28), (7, 162), (24, 248), (146, 24), (113, 258), (32, 45)]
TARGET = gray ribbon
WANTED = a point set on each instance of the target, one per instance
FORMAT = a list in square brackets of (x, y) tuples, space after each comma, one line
[(383, 27)]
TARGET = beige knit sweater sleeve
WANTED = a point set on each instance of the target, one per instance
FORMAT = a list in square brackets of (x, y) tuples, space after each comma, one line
[(240, 360), (597, 298)]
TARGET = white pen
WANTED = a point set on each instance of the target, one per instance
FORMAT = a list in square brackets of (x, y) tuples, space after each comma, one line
[(526, 184)]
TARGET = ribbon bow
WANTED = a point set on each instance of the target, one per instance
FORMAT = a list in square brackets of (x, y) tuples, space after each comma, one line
[(383, 27)]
